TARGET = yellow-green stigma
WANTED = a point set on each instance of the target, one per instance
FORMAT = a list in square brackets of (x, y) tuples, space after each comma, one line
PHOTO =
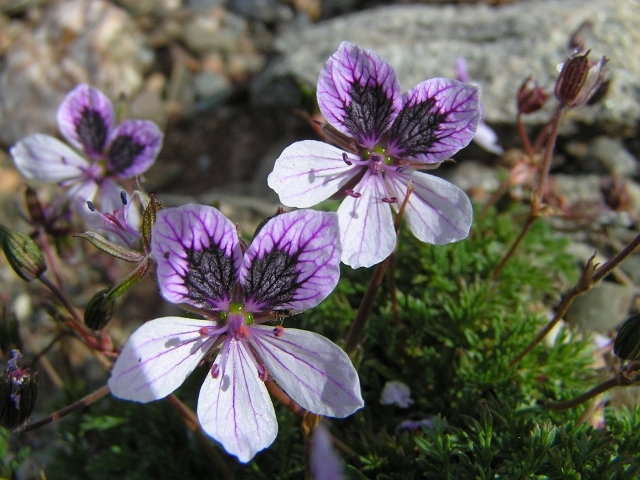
[(248, 318), (222, 317), (236, 308), (366, 154)]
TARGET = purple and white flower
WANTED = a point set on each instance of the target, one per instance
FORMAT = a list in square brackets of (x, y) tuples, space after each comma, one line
[(110, 152), (292, 264), (386, 135)]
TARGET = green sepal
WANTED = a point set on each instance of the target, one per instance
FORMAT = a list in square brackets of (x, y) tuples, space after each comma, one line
[(129, 281), (99, 310), (22, 253), (113, 249), (148, 220), (626, 346)]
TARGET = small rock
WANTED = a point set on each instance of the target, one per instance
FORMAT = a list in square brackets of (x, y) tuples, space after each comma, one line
[(218, 29), (208, 84), (612, 155), (602, 308), (268, 11)]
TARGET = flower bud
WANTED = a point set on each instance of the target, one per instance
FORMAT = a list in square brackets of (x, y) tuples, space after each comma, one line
[(579, 79), (23, 254), (99, 310), (626, 346), (531, 97), (18, 392)]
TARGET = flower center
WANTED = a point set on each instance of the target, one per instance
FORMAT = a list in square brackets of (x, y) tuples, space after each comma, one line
[(376, 157), (236, 320)]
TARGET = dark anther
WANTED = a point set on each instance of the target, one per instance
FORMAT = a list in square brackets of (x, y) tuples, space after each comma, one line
[(390, 200), (402, 168), (123, 197), (91, 207), (353, 194), (346, 159)]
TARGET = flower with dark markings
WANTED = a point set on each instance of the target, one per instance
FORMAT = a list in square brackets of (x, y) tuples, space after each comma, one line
[(384, 136), (291, 264), (86, 121)]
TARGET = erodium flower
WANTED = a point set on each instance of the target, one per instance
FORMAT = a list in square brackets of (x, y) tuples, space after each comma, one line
[(384, 136), (109, 153), (291, 264)]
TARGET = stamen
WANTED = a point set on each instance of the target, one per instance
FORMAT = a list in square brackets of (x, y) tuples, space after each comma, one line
[(345, 157), (91, 207), (402, 167), (262, 372), (215, 371), (390, 200), (123, 197), (206, 331), (278, 331), (351, 193)]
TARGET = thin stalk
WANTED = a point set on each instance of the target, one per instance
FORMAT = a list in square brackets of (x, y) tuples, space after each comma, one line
[(526, 143), (366, 304), (46, 248), (597, 390), (591, 276), (391, 282), (83, 402), (191, 421)]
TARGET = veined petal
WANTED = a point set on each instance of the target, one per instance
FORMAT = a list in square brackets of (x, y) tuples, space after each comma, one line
[(359, 93), (438, 212), (110, 196), (82, 191), (316, 373), (46, 159), (234, 407), (158, 357), (438, 118), (133, 147), (309, 172), (366, 224), (85, 119), (293, 261), (198, 255)]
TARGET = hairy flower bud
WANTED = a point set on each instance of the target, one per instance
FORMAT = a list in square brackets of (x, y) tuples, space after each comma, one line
[(18, 392), (531, 97), (627, 343), (579, 79), (99, 310), (23, 254)]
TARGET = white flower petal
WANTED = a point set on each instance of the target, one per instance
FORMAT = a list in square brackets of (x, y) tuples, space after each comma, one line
[(366, 224), (235, 408), (46, 159), (82, 191), (158, 357), (309, 172), (487, 139), (438, 212), (316, 373)]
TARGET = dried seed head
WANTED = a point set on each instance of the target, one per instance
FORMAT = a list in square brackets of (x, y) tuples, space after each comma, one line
[(626, 346), (579, 80), (23, 254), (531, 97)]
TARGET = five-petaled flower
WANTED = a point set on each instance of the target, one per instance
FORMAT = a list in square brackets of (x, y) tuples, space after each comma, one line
[(86, 121), (291, 264), (387, 135)]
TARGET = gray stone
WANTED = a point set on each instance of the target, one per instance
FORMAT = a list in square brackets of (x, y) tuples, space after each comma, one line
[(77, 41), (214, 30), (613, 156), (268, 11), (208, 84), (502, 46), (602, 308)]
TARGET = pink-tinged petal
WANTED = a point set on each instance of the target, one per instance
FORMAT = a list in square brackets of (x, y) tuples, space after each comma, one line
[(438, 118), (366, 224), (85, 118), (438, 212), (293, 262), (133, 148), (158, 357), (316, 373), (234, 407), (487, 139), (198, 255), (82, 191), (309, 172), (359, 93), (325, 463), (46, 159)]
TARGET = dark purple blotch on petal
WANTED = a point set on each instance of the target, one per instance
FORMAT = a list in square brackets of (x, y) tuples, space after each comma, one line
[(210, 275), (415, 129), (272, 280), (92, 131), (122, 153), (367, 116)]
